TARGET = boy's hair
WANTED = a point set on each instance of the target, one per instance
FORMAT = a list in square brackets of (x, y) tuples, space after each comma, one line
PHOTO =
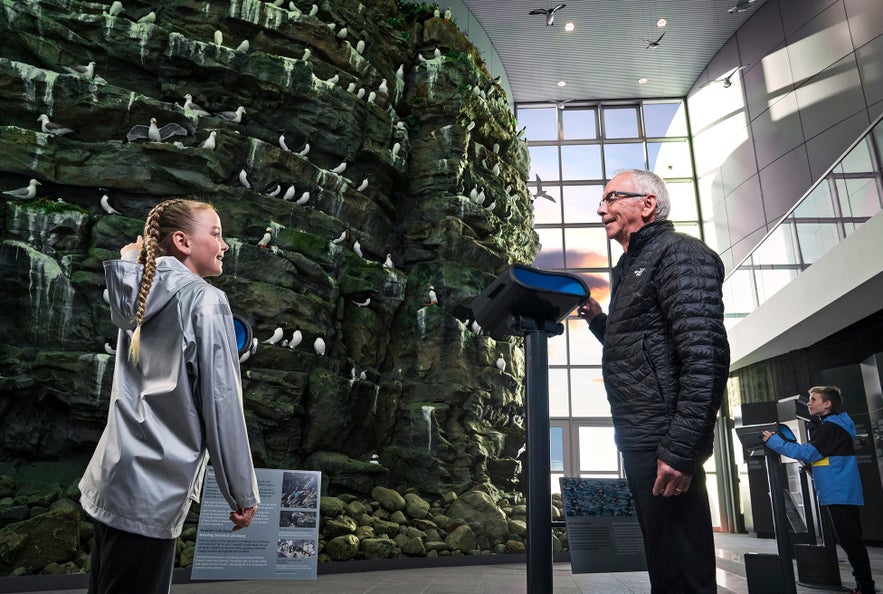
[(829, 394)]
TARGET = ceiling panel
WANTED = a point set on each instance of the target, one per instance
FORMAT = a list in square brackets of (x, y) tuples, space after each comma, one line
[(606, 53)]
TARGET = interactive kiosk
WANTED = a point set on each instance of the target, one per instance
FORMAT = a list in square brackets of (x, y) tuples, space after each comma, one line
[(770, 574), (529, 302)]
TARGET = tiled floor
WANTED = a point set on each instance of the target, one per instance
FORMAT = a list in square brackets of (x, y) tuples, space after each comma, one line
[(506, 578)]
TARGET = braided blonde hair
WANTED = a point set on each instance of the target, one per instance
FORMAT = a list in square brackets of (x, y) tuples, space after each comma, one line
[(162, 221)]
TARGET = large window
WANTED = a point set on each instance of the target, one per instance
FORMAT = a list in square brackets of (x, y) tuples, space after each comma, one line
[(574, 152)]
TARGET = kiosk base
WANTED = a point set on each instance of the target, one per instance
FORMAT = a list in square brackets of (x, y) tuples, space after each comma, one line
[(764, 573), (814, 567)]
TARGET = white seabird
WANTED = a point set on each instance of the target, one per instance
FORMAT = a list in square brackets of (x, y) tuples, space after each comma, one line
[(470, 125), (233, 116), (244, 357), (115, 8), (339, 169), (296, 339), (105, 294), (254, 346), (340, 238), (105, 204), (51, 127), (342, 33), (277, 336), (304, 198), (400, 72), (364, 303), (363, 185), (219, 38), (360, 93), (360, 46), (314, 10), (25, 193), (155, 133), (333, 80), (383, 89), (371, 96), (396, 148), (192, 107), (109, 349), (433, 298), (263, 243), (541, 193), (289, 193), (150, 17), (274, 190), (351, 87), (501, 363), (88, 70), (307, 53), (388, 264), (436, 52), (210, 142), (282, 144), (319, 345), (243, 47), (357, 248), (476, 327), (304, 151), (243, 178)]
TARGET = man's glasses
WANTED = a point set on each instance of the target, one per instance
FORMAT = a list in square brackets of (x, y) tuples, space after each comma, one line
[(615, 195)]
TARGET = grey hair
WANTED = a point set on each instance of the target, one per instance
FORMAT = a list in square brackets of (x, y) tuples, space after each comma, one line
[(647, 182)]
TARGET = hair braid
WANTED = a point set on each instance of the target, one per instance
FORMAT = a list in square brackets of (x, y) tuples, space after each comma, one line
[(147, 257)]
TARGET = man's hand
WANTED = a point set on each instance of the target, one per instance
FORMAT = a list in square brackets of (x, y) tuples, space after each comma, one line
[(242, 517), (767, 435), (670, 482), (589, 310)]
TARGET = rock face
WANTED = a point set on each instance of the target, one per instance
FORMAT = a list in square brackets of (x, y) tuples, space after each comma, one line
[(434, 181)]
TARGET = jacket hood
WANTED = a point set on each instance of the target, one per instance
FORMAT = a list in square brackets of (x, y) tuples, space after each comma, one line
[(843, 420), (124, 280)]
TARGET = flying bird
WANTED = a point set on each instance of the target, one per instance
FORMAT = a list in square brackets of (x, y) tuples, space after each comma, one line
[(25, 193), (51, 127), (741, 6), (654, 44), (726, 79), (154, 133), (541, 193), (549, 12)]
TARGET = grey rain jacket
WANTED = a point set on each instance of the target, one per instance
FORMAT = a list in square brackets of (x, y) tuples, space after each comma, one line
[(180, 404), (666, 357)]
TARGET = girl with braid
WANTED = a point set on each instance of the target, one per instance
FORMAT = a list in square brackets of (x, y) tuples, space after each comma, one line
[(176, 400)]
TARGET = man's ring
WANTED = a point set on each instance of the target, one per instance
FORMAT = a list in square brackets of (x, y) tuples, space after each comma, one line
[(678, 490)]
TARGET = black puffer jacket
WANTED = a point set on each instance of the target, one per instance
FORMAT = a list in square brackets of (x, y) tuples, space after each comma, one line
[(666, 356)]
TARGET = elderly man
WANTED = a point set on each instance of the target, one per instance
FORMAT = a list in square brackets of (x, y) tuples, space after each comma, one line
[(665, 364)]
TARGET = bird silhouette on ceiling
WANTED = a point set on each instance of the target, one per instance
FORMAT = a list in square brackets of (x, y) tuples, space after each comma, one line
[(549, 12), (741, 6), (654, 44)]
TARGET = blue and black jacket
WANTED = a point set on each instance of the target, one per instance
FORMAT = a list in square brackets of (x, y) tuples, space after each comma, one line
[(832, 456)]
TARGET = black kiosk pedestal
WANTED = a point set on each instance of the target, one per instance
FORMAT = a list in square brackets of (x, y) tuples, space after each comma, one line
[(529, 302), (765, 573)]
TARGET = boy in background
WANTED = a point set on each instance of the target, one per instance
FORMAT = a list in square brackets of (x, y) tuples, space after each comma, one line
[(831, 454)]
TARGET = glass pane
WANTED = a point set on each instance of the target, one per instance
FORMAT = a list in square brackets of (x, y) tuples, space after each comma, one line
[(770, 282), (586, 247), (556, 483), (559, 395), (581, 161), (858, 160), (589, 398), (556, 443), (816, 240), (858, 197), (670, 159), (585, 349), (539, 124), (557, 350), (689, 229), (546, 212), (543, 162), (738, 294), (615, 251), (599, 285), (581, 203), (621, 122), (777, 248), (817, 204), (665, 119), (683, 202), (623, 156), (597, 451), (579, 124), (551, 254)]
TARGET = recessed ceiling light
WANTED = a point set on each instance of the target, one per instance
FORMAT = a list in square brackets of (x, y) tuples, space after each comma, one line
[(569, 26), (642, 81), (661, 23), (562, 83)]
